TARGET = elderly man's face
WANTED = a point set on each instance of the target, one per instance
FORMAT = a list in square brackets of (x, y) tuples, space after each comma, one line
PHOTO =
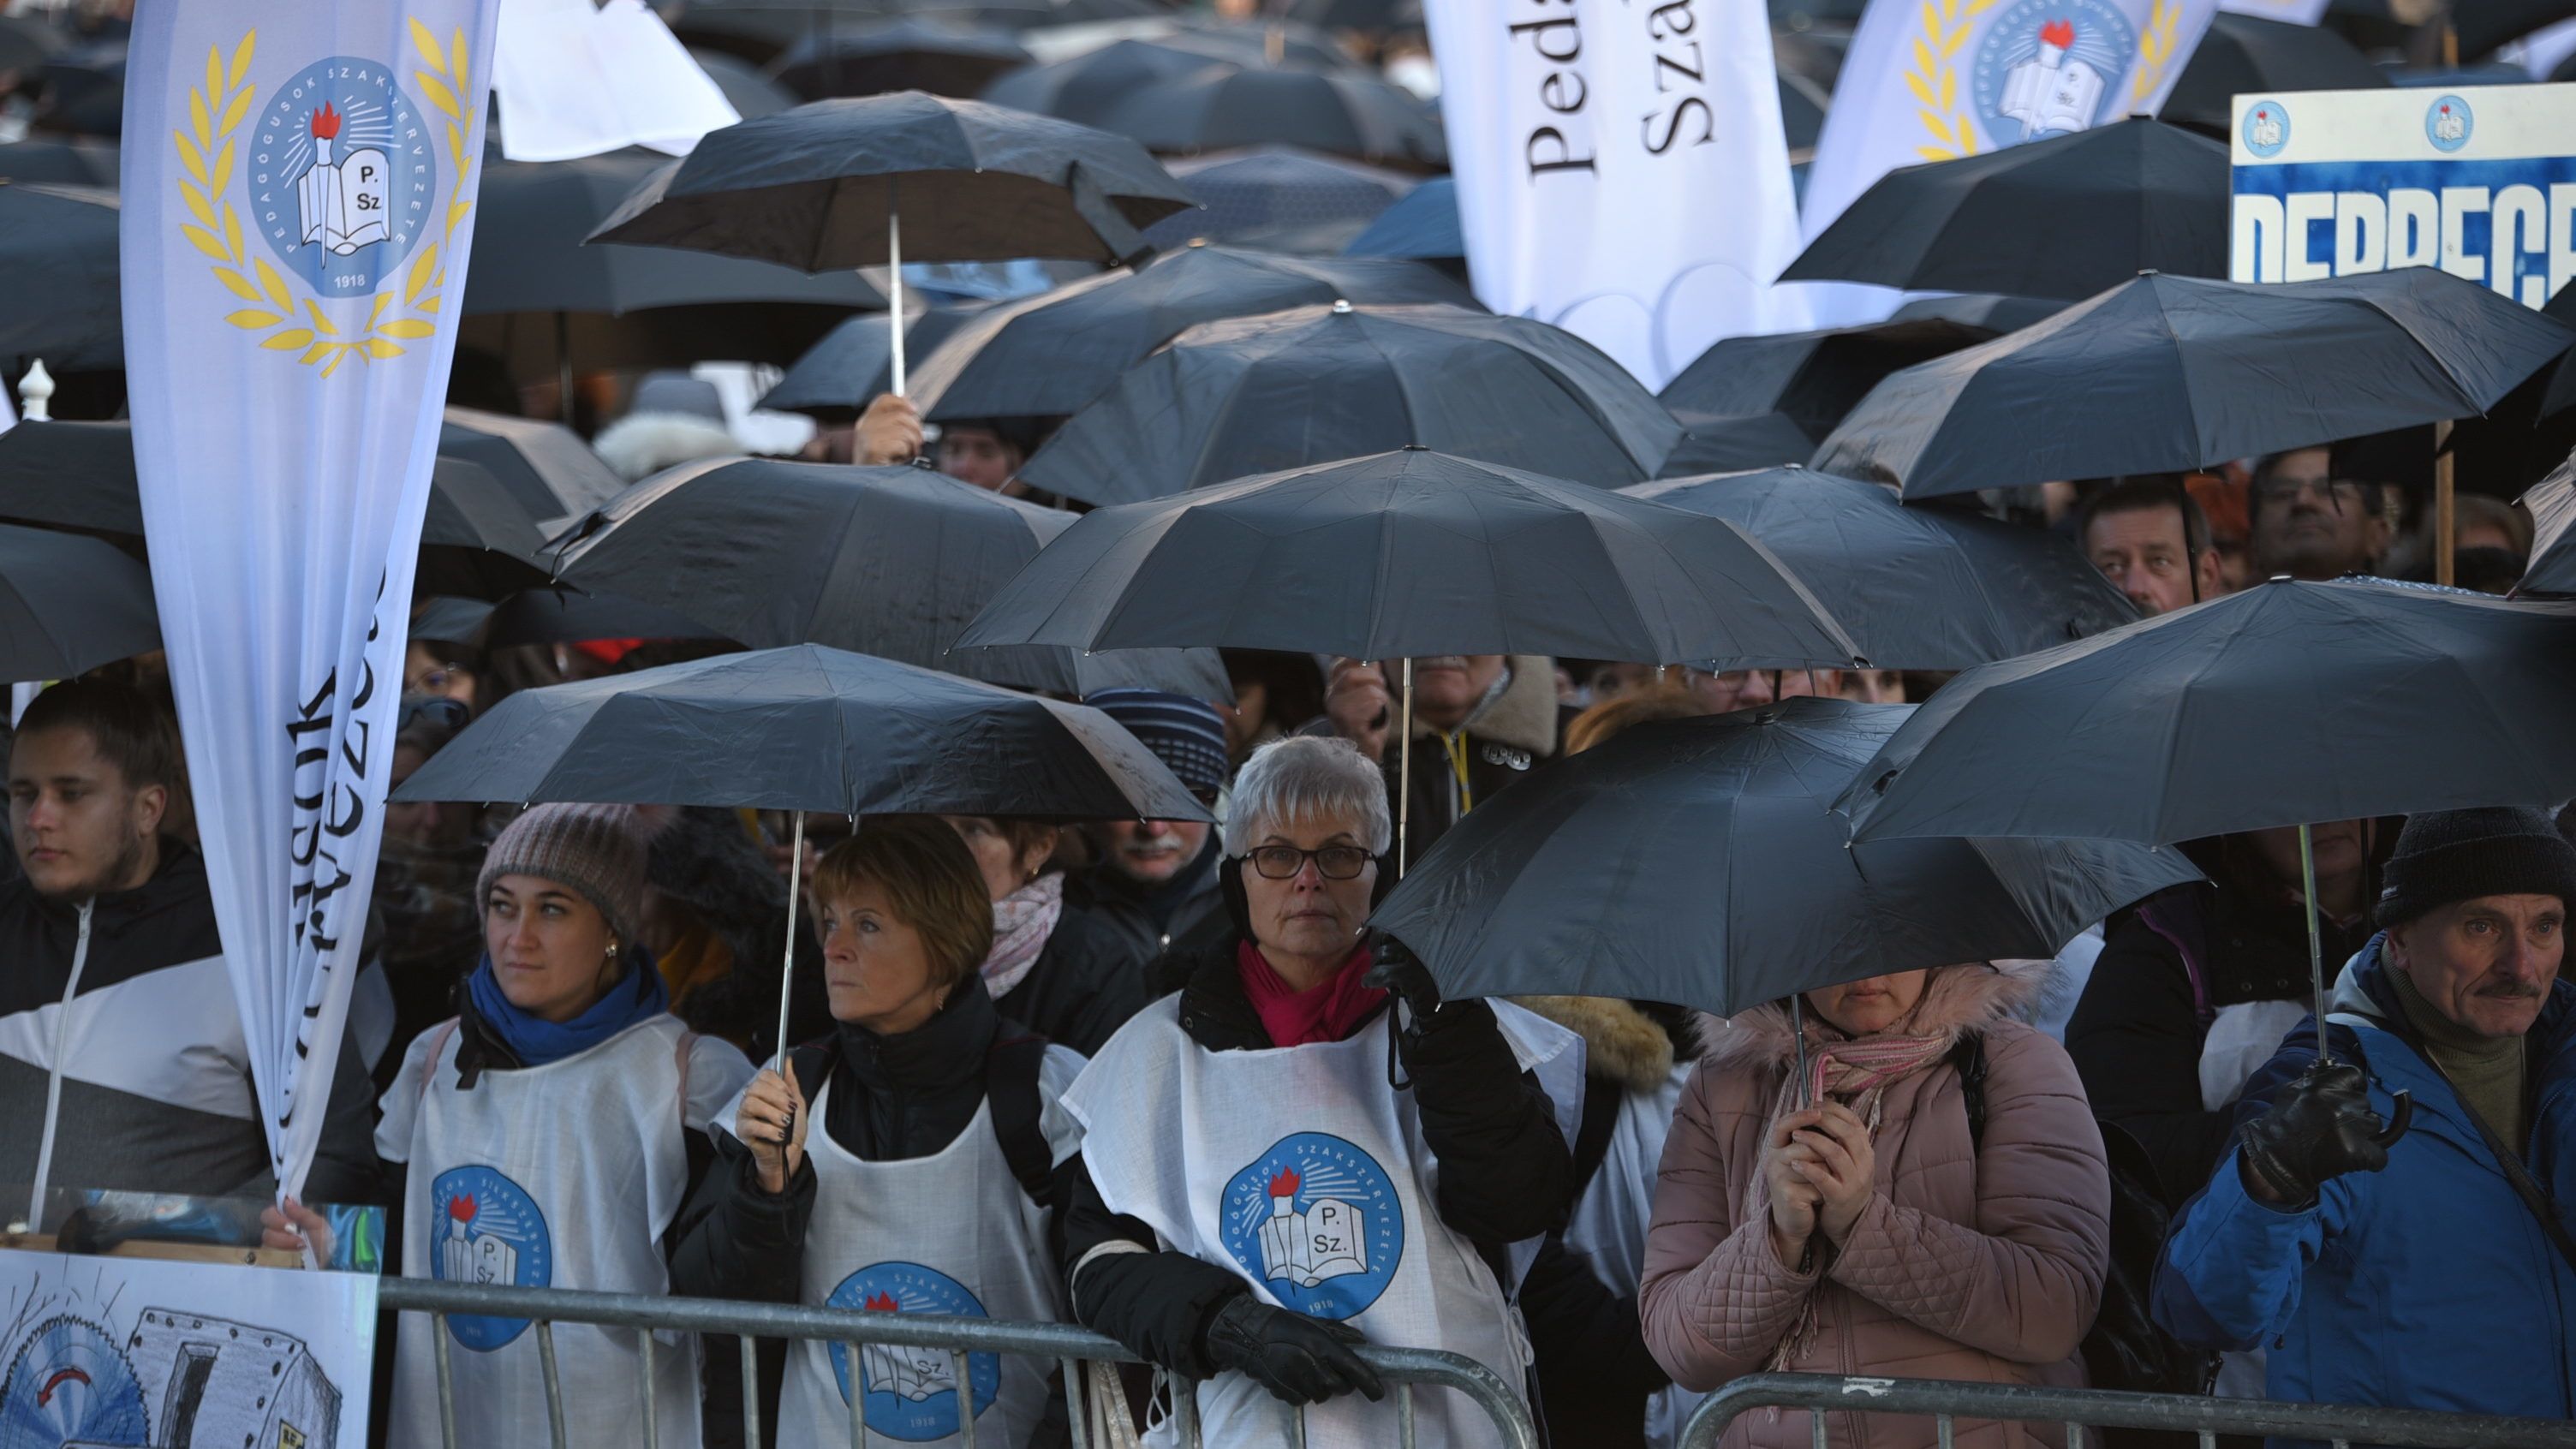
[(2142, 552), (2487, 964), (2310, 525), (1448, 687)]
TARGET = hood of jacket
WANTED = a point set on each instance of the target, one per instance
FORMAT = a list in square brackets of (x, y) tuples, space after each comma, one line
[(1522, 716), (1956, 999), (1633, 1043)]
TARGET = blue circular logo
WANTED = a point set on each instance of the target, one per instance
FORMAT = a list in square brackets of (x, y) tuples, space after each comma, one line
[(343, 176), (2447, 123), (912, 1392), (486, 1229), (1315, 1221), (2049, 67), (2267, 128)]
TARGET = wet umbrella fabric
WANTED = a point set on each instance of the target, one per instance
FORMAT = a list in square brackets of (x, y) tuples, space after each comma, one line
[(69, 605), (805, 728), (886, 561), (1813, 377), (1697, 862), (57, 162), (1054, 353), (1916, 587), (853, 363), (1414, 553), (2163, 374), (549, 616), (545, 466), (1086, 88), (1734, 443), (811, 188), (1286, 389), (2552, 504), (2284, 704), (1222, 106), (1422, 225), (58, 250), (2063, 217), (2248, 55), (1267, 191), (910, 53), (1994, 311)]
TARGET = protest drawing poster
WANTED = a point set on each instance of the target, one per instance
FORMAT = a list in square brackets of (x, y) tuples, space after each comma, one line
[(155, 1354), (2479, 181)]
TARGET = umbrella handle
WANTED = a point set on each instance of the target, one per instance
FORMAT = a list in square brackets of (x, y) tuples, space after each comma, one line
[(2316, 945), (787, 968), (1798, 1034)]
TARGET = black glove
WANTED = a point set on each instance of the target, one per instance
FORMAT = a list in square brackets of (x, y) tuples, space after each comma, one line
[(1397, 970), (1300, 1360), (2320, 1126)]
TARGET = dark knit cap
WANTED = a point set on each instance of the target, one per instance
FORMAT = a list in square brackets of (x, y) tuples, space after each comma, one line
[(2449, 856), (1184, 733), (597, 850)]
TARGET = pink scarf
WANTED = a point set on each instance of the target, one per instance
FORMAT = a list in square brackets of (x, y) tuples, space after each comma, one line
[(1022, 921), (1326, 1012)]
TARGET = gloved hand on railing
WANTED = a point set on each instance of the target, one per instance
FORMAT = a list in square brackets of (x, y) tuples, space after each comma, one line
[(2321, 1126), (1300, 1360)]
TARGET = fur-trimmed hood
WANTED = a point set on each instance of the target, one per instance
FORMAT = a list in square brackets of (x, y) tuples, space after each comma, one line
[(1634, 1043), (639, 445), (1955, 999), (1523, 716)]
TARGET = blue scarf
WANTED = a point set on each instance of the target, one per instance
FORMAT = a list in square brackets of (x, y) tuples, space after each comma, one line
[(535, 1041)]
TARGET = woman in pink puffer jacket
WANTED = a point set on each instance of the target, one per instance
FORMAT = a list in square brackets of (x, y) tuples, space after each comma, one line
[(1867, 1234)]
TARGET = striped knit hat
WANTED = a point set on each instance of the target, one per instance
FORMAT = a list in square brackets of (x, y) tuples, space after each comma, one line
[(597, 850), (1184, 733)]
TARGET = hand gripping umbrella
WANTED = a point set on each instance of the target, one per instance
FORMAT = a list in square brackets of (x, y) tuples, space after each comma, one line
[(823, 187), (2285, 704), (1414, 553), (805, 728)]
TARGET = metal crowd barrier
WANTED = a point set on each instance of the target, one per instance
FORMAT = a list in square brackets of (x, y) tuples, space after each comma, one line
[(2080, 1410), (1066, 1345)]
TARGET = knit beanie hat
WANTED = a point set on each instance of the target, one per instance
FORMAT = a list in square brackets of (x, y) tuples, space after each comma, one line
[(1183, 733), (2448, 856), (597, 850)]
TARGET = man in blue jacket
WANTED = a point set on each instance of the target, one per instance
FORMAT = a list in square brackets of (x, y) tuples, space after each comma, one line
[(2429, 1268)]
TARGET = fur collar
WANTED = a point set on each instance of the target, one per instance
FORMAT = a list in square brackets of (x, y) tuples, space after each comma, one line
[(1523, 716), (641, 444), (1956, 999), (1632, 1043)]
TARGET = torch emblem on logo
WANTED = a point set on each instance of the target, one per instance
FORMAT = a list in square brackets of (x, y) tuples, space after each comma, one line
[(344, 202)]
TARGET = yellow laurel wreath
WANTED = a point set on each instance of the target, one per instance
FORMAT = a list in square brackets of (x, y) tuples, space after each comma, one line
[(206, 154), (2156, 47), (1934, 76)]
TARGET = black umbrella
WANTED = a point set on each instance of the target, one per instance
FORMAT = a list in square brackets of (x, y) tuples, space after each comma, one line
[(549, 616), (26, 43), (1735, 442), (1414, 553), (1221, 106), (2248, 55), (1056, 352), (1311, 384), (58, 250), (1272, 191), (745, 88), (1697, 862), (475, 538), (2164, 373), (887, 561), (910, 53), (544, 302), (1086, 88), (853, 363), (2063, 217), (545, 466), (2560, 394), (2483, 25), (1359, 14), (1917, 587), (60, 162), (1995, 311), (2552, 503), (1423, 225), (69, 605), (1813, 377)]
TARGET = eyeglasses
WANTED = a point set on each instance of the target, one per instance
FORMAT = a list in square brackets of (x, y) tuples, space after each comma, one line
[(1333, 862)]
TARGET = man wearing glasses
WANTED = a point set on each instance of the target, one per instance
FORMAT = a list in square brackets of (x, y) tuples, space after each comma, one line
[(2313, 520)]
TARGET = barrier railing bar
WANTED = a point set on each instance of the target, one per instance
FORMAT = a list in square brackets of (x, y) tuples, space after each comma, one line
[(1072, 1370), (446, 1381), (965, 1398), (554, 1385), (1185, 1409), (857, 1398), (751, 1394), (2116, 1409), (652, 1431), (1404, 1415)]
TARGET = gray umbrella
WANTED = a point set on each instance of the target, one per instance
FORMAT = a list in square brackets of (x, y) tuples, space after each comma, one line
[(546, 466), (1814, 378), (838, 376), (1696, 862), (2163, 374), (1734, 442), (1918, 587), (70, 604), (2552, 502), (887, 561), (1311, 384), (58, 250)]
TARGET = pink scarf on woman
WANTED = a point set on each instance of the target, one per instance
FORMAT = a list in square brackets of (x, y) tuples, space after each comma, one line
[(1022, 921)]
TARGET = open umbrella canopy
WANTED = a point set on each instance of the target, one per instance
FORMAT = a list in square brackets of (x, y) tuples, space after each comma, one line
[(1916, 587), (2552, 504), (2282, 705), (1285, 389), (59, 162), (2062, 217), (887, 561), (1813, 377), (812, 187), (69, 605), (1422, 224), (914, 53), (58, 251), (1054, 353), (545, 466), (853, 363), (1268, 191), (2245, 54), (1734, 443), (2163, 374), (1994, 311), (1220, 106), (1698, 862), (1086, 88), (1414, 553), (805, 728)]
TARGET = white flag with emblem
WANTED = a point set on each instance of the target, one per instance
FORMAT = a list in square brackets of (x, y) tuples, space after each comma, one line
[(298, 193), (1621, 169)]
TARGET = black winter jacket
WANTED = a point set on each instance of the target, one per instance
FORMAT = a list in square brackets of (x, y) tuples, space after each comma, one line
[(1081, 989), (1505, 1172), (1185, 914)]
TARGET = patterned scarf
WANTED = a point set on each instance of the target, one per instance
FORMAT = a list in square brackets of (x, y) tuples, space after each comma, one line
[(1022, 921)]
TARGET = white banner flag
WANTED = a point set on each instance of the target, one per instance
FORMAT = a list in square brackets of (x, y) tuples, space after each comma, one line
[(577, 79), (1621, 169), (299, 182), (2174, 30)]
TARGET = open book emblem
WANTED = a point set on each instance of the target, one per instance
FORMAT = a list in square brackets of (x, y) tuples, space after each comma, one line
[(487, 1230), (910, 1373), (2053, 91), (345, 203), (1316, 1222), (1324, 1241), (910, 1394), (2047, 67)]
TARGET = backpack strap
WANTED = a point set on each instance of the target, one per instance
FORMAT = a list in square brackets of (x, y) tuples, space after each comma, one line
[(437, 1049), (1601, 1100), (1968, 1054), (1011, 1067)]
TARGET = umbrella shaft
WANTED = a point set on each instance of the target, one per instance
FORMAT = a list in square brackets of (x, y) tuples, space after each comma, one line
[(1404, 771), (787, 968), (1798, 1034), (2316, 946), (894, 297)]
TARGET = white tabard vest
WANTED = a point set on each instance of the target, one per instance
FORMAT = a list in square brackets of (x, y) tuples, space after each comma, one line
[(949, 1233), (559, 1176), (1300, 1170)]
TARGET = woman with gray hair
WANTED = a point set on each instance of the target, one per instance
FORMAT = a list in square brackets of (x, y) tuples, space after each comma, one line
[(1256, 1192)]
